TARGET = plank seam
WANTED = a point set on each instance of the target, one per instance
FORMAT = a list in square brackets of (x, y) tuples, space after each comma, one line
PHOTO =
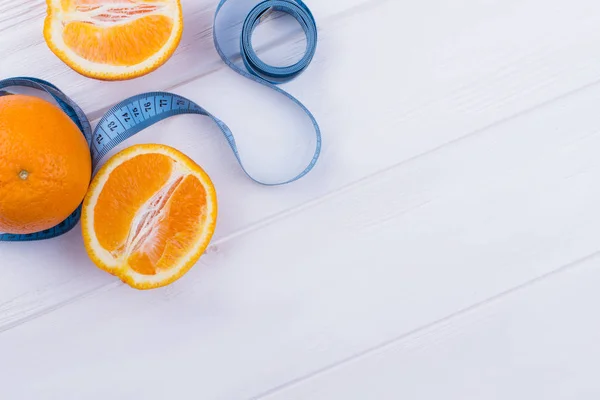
[(309, 204), (219, 65), (569, 267)]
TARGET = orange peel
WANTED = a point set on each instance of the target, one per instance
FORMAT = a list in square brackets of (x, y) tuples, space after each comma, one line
[(113, 39), (149, 215)]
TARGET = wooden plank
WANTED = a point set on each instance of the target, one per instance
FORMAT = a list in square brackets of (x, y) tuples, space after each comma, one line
[(26, 53), (47, 285), (537, 342), (446, 89), (348, 272)]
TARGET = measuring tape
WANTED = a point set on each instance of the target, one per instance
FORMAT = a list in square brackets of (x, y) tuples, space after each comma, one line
[(141, 111)]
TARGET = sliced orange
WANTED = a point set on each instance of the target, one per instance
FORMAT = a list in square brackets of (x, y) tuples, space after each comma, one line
[(113, 39), (149, 215)]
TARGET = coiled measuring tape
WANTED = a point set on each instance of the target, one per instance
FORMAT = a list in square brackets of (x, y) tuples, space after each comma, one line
[(141, 111)]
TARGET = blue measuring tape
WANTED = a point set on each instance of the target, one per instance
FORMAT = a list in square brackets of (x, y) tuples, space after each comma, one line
[(141, 111)]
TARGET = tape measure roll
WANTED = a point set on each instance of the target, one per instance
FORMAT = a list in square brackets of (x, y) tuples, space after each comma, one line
[(136, 113), (228, 13)]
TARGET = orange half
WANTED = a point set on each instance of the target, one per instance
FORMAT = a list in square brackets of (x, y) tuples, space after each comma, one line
[(113, 39), (149, 215)]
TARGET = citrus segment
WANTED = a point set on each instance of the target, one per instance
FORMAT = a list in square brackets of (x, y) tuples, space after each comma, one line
[(172, 236), (129, 186), (113, 39), (149, 215), (121, 45)]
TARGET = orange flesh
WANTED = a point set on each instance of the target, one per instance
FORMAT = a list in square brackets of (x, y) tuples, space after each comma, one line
[(91, 5), (130, 185), (123, 43), (147, 216), (176, 233)]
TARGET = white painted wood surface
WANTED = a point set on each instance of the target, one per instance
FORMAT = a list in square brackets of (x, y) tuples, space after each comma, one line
[(445, 246)]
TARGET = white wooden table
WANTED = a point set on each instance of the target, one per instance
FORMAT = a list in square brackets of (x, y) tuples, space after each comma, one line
[(447, 246)]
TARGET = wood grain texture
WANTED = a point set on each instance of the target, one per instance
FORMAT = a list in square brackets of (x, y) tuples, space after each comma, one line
[(538, 341), (459, 163), (416, 106), (26, 53), (347, 273)]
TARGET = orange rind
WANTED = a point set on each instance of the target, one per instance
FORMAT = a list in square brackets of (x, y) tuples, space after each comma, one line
[(149, 215), (113, 39)]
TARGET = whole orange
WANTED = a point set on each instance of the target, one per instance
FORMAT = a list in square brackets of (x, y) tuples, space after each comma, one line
[(45, 165)]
